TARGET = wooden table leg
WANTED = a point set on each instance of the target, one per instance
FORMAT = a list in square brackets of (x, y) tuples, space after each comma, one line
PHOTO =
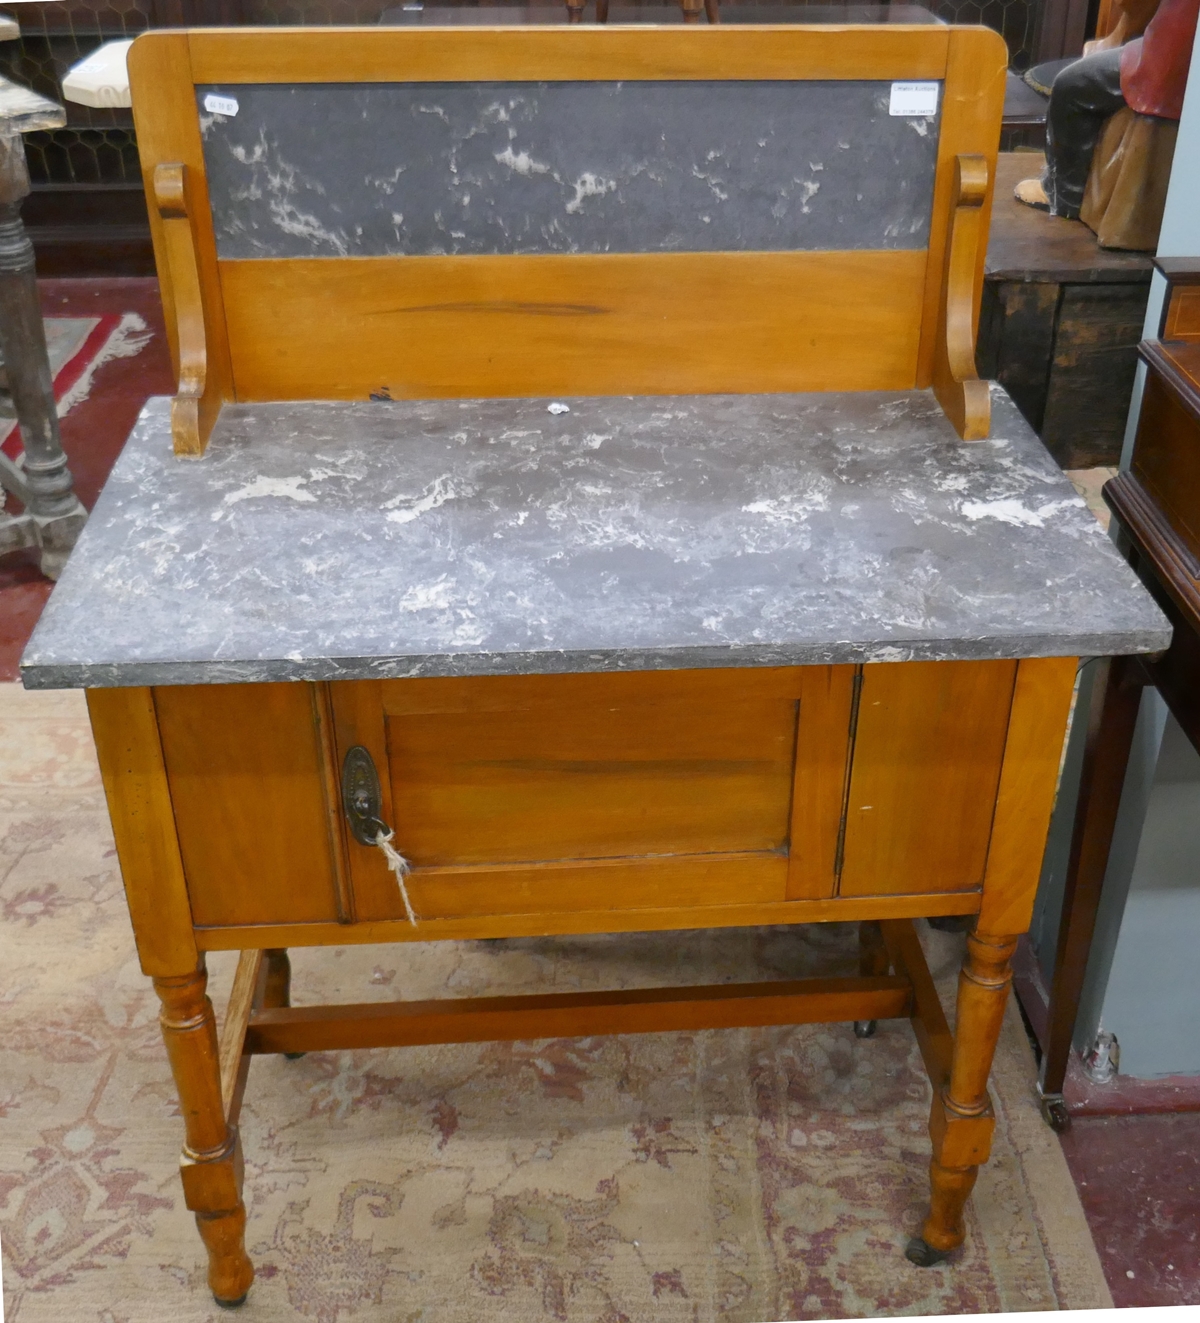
[(961, 1122), (1112, 716), (211, 1163)]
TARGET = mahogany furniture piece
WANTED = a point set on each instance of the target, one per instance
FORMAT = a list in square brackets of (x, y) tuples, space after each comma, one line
[(573, 525), (1156, 506)]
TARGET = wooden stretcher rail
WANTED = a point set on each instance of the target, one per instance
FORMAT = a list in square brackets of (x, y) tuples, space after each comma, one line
[(245, 998), (577, 1015), (928, 1019)]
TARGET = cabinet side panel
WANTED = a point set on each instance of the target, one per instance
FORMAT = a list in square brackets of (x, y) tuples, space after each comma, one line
[(927, 758), (139, 804), (244, 766)]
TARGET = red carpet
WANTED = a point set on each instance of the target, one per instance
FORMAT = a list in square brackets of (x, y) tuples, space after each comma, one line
[(95, 428)]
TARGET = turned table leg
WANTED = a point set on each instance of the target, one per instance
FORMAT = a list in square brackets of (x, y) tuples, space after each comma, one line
[(961, 1121), (211, 1163)]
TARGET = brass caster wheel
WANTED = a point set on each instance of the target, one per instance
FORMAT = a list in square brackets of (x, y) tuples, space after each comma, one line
[(1055, 1114), (923, 1255), (864, 1028)]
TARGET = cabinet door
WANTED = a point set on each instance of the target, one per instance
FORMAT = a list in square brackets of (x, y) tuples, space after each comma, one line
[(537, 794)]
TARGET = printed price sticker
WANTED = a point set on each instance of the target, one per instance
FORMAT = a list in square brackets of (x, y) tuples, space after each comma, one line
[(914, 99), (227, 105)]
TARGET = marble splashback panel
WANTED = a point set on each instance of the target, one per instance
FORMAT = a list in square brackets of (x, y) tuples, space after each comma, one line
[(379, 169)]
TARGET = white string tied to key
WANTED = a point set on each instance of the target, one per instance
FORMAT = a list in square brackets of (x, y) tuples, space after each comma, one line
[(398, 865)]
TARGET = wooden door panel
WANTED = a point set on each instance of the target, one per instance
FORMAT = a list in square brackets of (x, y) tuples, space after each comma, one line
[(592, 781), (928, 748), (245, 768), (551, 793)]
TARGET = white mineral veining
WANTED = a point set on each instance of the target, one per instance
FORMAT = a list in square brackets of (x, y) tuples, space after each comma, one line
[(713, 183), (521, 162), (304, 225), (282, 488), (589, 185), (403, 509), (808, 190), (1010, 510), (436, 596), (250, 156), (952, 482), (791, 508), (387, 184)]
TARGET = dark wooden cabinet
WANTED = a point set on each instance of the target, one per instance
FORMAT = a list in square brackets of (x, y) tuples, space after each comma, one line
[(1156, 515), (1060, 323)]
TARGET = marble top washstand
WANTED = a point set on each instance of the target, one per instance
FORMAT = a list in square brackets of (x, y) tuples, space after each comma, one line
[(471, 537)]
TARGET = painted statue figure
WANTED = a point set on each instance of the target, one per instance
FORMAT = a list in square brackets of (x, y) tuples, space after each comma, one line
[(1141, 63)]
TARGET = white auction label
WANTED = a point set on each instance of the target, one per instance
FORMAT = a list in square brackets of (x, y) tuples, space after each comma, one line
[(227, 105), (911, 99)]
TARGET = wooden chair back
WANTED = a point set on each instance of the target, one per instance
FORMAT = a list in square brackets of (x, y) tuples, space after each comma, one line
[(413, 213)]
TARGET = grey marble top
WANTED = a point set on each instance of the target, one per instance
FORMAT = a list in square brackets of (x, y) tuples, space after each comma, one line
[(349, 540)]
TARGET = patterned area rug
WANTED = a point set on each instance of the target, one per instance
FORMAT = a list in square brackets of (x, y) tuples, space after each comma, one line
[(729, 1177)]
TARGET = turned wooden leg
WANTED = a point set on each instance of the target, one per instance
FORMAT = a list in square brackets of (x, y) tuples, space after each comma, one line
[(873, 962), (961, 1120), (211, 1163)]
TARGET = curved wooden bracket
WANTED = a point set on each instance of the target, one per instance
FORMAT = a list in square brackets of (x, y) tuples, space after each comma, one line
[(956, 384), (194, 409)]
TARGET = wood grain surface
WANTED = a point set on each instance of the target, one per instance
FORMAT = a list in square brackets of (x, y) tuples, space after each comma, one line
[(927, 758), (577, 1014), (584, 324), (244, 766), (348, 54)]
